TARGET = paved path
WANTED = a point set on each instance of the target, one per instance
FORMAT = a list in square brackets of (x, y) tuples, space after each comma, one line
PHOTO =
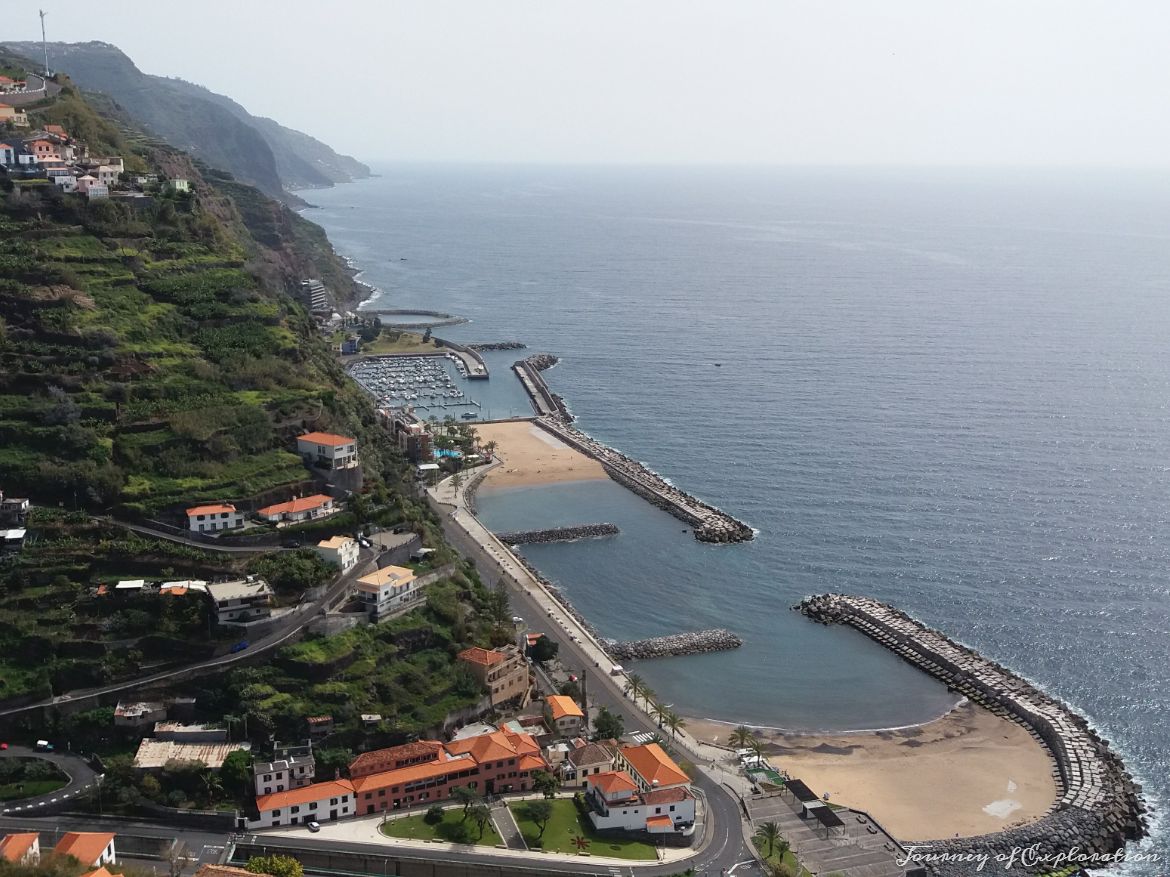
[(81, 778), (506, 826), (194, 543)]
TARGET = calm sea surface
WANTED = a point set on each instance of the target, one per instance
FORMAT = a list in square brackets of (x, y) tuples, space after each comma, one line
[(949, 392)]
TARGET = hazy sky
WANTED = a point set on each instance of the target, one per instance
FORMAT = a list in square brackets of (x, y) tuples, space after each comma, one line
[(1047, 82)]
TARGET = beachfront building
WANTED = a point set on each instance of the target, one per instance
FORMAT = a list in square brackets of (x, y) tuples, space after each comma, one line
[(214, 518), (650, 767), (584, 761), (92, 849), (21, 849), (387, 591), (341, 551), (317, 802), (563, 715), (282, 774), (616, 801), (241, 601), (503, 672), (327, 451), (294, 511)]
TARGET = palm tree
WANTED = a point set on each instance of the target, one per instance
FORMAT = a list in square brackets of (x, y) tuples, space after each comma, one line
[(457, 482), (658, 711), (674, 721), (490, 449), (635, 685), (649, 695), (742, 736), (757, 748), (769, 833)]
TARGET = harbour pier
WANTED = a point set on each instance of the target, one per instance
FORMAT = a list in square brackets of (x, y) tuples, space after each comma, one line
[(1100, 805)]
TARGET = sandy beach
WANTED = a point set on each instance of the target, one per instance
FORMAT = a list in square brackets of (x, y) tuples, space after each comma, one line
[(967, 773), (531, 456)]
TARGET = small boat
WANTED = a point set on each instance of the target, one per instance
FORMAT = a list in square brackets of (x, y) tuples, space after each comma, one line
[(469, 415), (718, 365)]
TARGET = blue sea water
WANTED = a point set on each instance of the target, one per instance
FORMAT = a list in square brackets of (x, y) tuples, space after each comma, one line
[(945, 390)]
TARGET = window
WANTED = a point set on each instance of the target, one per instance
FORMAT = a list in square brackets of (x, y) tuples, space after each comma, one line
[(268, 790), (671, 808), (275, 812), (296, 809), (332, 802)]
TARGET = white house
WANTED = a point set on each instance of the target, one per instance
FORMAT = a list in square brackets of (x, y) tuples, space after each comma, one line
[(241, 601), (302, 509), (318, 802), (340, 550), (107, 175), (388, 590), (563, 715), (97, 192), (214, 518), (7, 155), (615, 802), (327, 450), (283, 774), (21, 849), (179, 185), (67, 182), (92, 849)]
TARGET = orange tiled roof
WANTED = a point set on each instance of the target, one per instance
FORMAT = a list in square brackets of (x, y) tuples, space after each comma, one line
[(413, 773), (659, 822), (381, 760), (210, 509), (654, 766), (531, 762), (305, 794), (15, 847), (613, 781), (213, 870), (98, 872), (667, 796), (476, 655), (303, 504), (561, 706), (325, 438), (85, 846), (495, 746)]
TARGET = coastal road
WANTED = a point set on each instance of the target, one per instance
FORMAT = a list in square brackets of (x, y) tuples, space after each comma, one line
[(727, 846), (81, 777)]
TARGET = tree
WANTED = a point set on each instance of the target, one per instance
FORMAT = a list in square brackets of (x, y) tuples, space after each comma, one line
[(658, 712), (457, 482), (499, 607), (674, 721), (466, 796), (480, 817), (236, 773), (540, 812), (490, 449), (545, 783), (757, 748), (544, 649), (768, 833), (608, 726), (742, 736), (276, 866), (635, 685), (434, 814)]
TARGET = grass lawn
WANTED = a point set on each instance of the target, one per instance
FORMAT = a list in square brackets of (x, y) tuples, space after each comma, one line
[(416, 828), (30, 789), (789, 860), (566, 824), (406, 342)]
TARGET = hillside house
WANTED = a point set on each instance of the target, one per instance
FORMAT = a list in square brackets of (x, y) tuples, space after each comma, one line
[(12, 541), (584, 761), (8, 85), (7, 113), (139, 714), (97, 192), (84, 182), (563, 715), (388, 590), (320, 726), (327, 451), (296, 510), (503, 672), (43, 150), (317, 802), (107, 175), (7, 155), (92, 849), (214, 518), (241, 601), (341, 551), (179, 185), (21, 849), (66, 182), (282, 774)]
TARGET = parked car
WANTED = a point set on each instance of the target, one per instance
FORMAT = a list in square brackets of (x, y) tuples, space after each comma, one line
[(313, 826), (43, 746), (3, 746), (239, 647)]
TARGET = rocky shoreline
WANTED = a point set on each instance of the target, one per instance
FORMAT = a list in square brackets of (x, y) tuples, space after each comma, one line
[(694, 643), (1100, 806), (559, 534)]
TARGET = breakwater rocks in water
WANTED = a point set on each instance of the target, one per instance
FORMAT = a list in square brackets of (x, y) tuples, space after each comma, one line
[(1100, 806), (558, 595), (559, 534), (709, 523), (695, 643), (545, 401), (542, 361), (498, 345)]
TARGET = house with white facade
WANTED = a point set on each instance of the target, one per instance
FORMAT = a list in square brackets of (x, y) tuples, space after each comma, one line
[(179, 185), (327, 451), (21, 849), (106, 175), (92, 849), (139, 714), (7, 155), (214, 518), (616, 802), (282, 774), (305, 508), (341, 551), (584, 761), (97, 192), (388, 590), (317, 802), (241, 601), (563, 715)]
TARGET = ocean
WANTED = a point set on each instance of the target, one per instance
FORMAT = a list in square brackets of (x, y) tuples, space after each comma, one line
[(947, 390)]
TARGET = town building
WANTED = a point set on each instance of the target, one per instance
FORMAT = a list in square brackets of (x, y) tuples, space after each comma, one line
[(616, 801), (12, 540), (351, 345), (66, 182), (294, 511), (7, 113), (563, 715), (327, 451), (91, 849), (106, 175), (318, 802), (7, 155), (177, 185), (139, 714), (13, 510), (21, 849), (584, 761), (651, 767), (85, 182), (154, 754), (319, 726), (214, 518), (503, 672), (388, 590), (241, 601), (8, 85), (282, 774), (341, 551), (315, 296), (181, 732), (97, 191)]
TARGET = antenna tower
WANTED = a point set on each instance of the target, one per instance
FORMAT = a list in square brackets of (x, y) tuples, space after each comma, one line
[(44, 42)]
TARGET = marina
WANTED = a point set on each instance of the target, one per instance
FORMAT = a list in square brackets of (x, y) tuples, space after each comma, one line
[(429, 384)]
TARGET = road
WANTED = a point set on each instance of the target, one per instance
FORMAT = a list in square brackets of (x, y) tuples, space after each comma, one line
[(193, 543), (282, 634), (81, 776)]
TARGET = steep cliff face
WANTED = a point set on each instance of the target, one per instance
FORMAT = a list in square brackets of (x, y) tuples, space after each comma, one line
[(210, 126)]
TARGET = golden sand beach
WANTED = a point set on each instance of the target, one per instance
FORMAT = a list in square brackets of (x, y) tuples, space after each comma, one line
[(968, 773), (532, 456)]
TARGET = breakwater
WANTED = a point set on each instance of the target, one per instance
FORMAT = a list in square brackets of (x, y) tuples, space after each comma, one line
[(559, 534), (437, 318), (709, 523), (1100, 806), (696, 642), (498, 345), (545, 401)]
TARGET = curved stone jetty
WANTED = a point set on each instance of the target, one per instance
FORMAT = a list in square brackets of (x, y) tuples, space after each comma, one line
[(709, 523), (559, 534), (1100, 806), (695, 643)]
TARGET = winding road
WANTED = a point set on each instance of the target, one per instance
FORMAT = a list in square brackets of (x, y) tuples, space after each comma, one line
[(81, 777)]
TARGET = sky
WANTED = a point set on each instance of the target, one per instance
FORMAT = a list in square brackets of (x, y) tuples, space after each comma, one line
[(824, 82)]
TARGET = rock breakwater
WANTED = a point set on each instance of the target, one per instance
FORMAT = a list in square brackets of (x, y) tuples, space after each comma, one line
[(696, 642), (559, 534), (498, 345), (1100, 806)]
